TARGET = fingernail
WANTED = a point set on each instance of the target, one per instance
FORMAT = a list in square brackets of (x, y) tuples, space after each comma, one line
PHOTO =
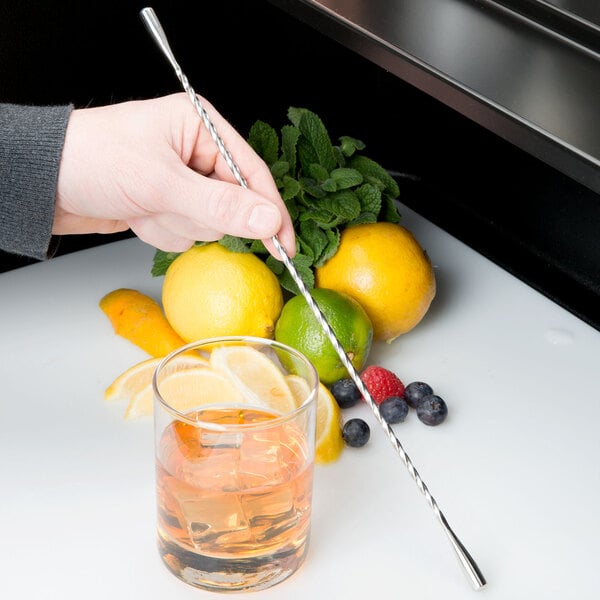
[(264, 220)]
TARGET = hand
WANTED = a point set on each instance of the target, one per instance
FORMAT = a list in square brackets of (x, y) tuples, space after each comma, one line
[(152, 166)]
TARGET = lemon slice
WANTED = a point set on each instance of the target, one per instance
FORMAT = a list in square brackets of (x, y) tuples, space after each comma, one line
[(131, 381), (299, 388), (185, 390), (329, 442), (139, 376), (255, 375)]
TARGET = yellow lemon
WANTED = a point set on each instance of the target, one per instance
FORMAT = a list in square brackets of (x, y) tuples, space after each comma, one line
[(210, 291), (139, 318), (329, 442), (255, 375), (383, 266), (298, 327)]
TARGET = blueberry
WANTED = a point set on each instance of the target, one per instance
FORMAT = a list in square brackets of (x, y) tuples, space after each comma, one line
[(394, 409), (356, 433), (432, 410), (345, 392), (415, 391)]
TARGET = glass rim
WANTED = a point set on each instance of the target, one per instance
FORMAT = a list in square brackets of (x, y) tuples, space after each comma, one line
[(278, 420)]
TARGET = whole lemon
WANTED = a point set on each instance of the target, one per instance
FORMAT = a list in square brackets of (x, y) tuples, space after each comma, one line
[(298, 327), (383, 266), (211, 291)]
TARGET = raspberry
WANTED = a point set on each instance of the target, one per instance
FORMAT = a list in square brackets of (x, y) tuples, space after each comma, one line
[(382, 383)]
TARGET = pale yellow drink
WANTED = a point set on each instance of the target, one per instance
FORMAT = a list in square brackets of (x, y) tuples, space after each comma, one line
[(234, 488)]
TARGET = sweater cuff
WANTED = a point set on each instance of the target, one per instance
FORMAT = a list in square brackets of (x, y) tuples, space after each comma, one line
[(31, 144)]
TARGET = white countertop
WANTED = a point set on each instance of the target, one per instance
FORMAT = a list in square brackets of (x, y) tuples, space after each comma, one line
[(515, 468)]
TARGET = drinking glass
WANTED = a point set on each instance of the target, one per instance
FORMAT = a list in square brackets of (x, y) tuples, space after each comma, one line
[(234, 441)]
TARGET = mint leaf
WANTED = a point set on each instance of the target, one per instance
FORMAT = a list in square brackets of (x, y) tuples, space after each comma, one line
[(333, 243), (344, 204), (389, 211), (346, 178), (314, 145), (289, 140), (235, 244), (263, 139), (371, 170), (369, 197), (161, 262), (313, 239), (349, 145), (279, 169), (318, 172), (303, 266)]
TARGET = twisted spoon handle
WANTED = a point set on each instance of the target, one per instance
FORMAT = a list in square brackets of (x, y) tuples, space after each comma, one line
[(471, 569)]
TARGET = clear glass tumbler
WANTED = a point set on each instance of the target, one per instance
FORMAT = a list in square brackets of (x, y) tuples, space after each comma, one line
[(234, 439)]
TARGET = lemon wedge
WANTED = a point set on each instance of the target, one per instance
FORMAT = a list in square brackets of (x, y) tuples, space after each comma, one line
[(329, 442), (255, 375)]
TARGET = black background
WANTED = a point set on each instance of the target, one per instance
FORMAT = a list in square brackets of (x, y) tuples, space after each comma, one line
[(253, 61)]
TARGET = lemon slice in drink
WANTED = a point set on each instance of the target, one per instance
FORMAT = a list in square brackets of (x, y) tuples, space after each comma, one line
[(255, 375), (185, 390), (329, 442)]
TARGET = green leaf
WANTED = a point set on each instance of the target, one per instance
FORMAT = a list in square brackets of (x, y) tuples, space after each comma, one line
[(303, 266), (275, 265), (289, 139), (345, 204), (236, 244), (314, 144), (311, 187), (369, 197), (161, 262), (346, 178), (329, 185), (372, 170), (349, 145), (265, 142), (280, 168), (317, 172), (389, 211), (313, 237), (340, 159), (333, 243), (364, 217), (289, 188), (257, 247)]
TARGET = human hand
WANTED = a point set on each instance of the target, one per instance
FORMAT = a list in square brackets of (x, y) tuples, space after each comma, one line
[(152, 166)]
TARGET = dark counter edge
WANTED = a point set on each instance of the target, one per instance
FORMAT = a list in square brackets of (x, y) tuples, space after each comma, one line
[(459, 219), (425, 78)]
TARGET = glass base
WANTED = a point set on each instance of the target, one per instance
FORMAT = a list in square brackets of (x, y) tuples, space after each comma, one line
[(231, 575)]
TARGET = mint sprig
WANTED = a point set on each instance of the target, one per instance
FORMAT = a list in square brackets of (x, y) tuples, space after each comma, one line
[(325, 188)]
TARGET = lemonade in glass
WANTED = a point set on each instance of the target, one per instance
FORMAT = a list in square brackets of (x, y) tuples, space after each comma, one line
[(234, 438)]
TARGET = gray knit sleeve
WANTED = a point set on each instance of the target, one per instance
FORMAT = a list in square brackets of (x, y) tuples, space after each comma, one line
[(31, 143)]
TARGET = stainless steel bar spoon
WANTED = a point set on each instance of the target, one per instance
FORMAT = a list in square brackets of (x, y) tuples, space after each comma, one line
[(470, 566)]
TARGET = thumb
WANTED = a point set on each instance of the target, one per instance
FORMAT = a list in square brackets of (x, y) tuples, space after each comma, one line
[(229, 208)]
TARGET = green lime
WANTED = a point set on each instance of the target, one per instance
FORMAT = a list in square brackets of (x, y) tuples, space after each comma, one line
[(298, 327)]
